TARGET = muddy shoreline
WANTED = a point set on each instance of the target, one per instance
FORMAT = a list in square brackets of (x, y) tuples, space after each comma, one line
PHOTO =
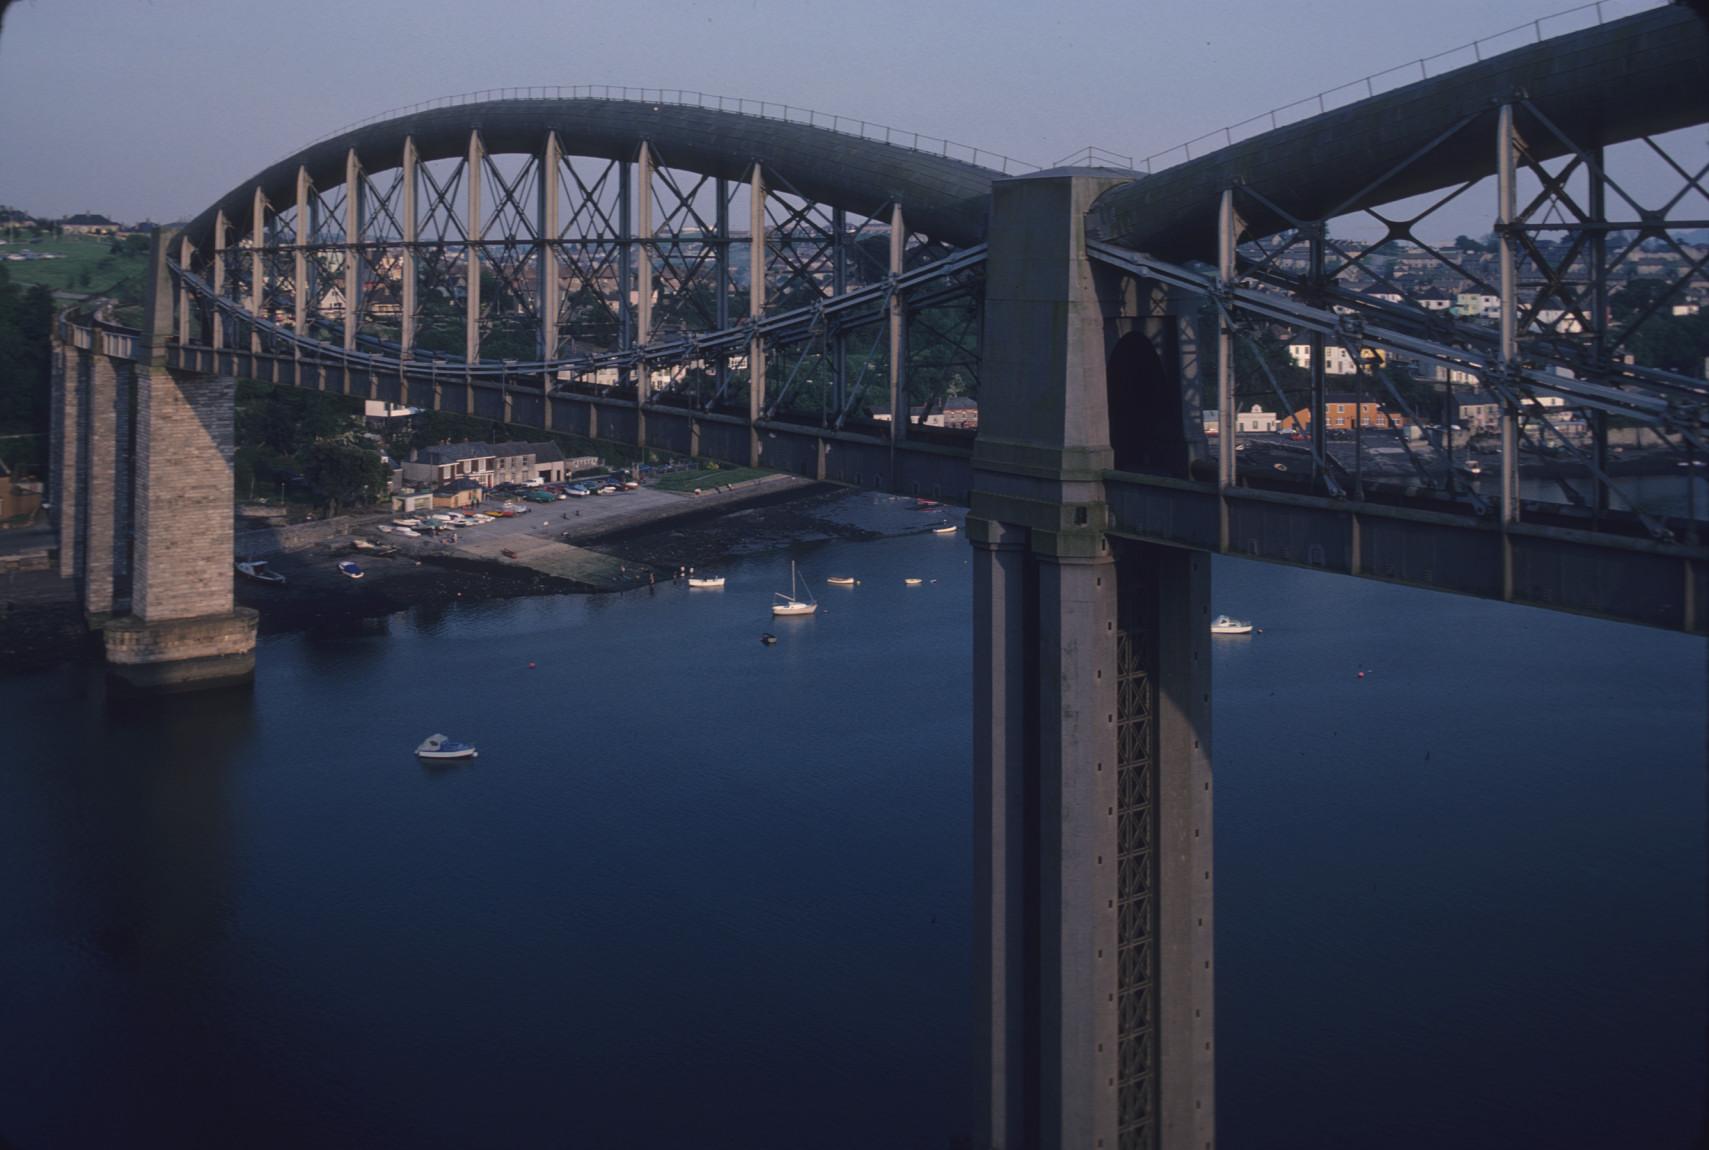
[(317, 598)]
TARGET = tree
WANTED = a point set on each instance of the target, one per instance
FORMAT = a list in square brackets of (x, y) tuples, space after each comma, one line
[(344, 474)]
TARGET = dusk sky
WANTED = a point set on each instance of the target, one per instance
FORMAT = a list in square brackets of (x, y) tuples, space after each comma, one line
[(152, 109)]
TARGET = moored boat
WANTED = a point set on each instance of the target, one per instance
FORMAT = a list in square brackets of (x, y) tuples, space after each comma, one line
[(911, 582), (789, 604), (706, 580), (350, 570), (842, 580), (946, 529), (440, 747), (1224, 625)]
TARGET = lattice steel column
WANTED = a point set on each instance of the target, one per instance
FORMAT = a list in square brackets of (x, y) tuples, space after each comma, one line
[(406, 332), (643, 286), (547, 219), (1227, 238), (472, 268), (257, 264), (300, 273), (220, 226), (352, 247), (1506, 210), (899, 406), (186, 252), (756, 309)]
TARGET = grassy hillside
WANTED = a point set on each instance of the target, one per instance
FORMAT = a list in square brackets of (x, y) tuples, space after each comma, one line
[(88, 264)]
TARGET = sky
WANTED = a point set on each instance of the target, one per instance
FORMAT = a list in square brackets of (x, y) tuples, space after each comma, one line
[(153, 108)]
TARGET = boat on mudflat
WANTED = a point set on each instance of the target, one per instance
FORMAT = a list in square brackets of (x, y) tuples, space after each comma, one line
[(349, 570), (258, 570)]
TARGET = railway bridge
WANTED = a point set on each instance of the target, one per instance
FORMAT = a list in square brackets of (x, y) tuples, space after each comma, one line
[(755, 284)]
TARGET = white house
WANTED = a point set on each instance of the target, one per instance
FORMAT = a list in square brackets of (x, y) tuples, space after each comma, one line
[(1480, 305), (1256, 420), (1336, 361)]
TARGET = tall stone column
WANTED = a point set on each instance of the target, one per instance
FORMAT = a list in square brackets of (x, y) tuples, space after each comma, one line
[(183, 631), (1166, 1076), (101, 522), (1092, 757), (1004, 682), (1076, 816), (67, 450)]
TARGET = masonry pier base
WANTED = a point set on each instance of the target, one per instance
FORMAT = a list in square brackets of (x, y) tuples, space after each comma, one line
[(182, 654)]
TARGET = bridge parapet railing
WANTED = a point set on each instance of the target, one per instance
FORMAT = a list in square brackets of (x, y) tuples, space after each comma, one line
[(683, 97), (1365, 87)]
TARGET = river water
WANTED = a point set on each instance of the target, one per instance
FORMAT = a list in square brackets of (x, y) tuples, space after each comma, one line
[(697, 892)]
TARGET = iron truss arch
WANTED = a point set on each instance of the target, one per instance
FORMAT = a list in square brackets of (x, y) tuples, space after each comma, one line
[(649, 252)]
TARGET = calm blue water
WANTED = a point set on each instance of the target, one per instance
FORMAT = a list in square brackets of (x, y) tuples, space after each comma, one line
[(701, 893)]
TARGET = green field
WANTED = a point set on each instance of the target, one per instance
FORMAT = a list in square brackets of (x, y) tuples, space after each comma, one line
[(88, 265), (707, 480)]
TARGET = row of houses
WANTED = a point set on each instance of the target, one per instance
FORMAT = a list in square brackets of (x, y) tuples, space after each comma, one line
[(1477, 414), (457, 474)]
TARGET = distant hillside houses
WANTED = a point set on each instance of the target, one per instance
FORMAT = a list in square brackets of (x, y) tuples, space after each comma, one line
[(88, 224)]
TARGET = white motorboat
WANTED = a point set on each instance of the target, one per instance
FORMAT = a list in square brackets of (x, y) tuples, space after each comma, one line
[(411, 521), (842, 580), (440, 747), (706, 580), (912, 582), (789, 604), (258, 570), (1223, 625), (946, 529)]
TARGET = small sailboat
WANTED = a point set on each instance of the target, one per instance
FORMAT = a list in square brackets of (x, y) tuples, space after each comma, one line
[(946, 529), (789, 604), (440, 747), (911, 582), (706, 580), (842, 580), (1224, 625), (258, 570), (350, 570)]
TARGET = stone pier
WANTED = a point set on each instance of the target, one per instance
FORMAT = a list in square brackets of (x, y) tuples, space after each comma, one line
[(1091, 714), (183, 631)]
